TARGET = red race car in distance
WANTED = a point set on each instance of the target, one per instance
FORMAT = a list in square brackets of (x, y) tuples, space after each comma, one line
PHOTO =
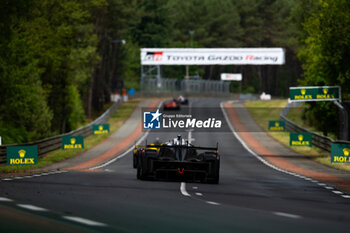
[(171, 105)]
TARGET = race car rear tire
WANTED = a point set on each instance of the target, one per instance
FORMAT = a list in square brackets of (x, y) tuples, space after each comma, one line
[(141, 170), (134, 163), (138, 173), (215, 179)]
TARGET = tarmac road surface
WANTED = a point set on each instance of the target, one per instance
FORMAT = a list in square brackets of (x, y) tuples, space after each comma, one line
[(251, 197)]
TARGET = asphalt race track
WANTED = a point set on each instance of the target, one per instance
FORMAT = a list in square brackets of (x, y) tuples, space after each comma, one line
[(251, 197)]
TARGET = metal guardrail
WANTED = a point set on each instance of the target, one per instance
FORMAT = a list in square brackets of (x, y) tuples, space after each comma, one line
[(318, 140), (53, 143)]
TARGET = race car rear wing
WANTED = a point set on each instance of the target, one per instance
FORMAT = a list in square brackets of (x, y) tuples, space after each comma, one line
[(189, 146)]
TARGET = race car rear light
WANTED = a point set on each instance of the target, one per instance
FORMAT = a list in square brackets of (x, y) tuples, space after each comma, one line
[(143, 151), (181, 171), (168, 165), (151, 151)]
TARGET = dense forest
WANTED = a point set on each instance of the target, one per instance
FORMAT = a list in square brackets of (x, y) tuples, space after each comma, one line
[(61, 59)]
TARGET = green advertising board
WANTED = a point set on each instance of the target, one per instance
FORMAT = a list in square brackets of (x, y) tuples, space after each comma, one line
[(340, 153), (300, 139), (277, 126), (317, 93), (72, 142), (100, 129), (21, 155)]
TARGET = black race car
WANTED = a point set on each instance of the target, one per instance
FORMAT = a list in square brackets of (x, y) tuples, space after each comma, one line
[(177, 160), (182, 100), (138, 150)]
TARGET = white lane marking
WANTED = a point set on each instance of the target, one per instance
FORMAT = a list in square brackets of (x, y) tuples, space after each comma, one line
[(337, 192), (109, 170), (34, 175), (5, 199), (84, 221), (329, 187), (183, 184), (287, 215), (258, 156), (345, 196), (120, 156), (244, 144), (183, 189), (212, 203), (199, 194), (189, 137), (58, 172), (195, 187), (31, 207), (127, 151), (321, 184)]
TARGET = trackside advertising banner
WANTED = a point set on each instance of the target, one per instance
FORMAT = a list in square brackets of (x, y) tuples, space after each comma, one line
[(300, 139), (22, 155), (340, 153), (72, 142), (317, 93), (277, 126), (100, 129), (231, 77), (219, 56)]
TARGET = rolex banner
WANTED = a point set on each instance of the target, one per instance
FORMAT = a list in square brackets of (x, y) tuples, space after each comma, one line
[(277, 126), (340, 153), (300, 139), (214, 56), (22, 155), (72, 142), (100, 129), (317, 93)]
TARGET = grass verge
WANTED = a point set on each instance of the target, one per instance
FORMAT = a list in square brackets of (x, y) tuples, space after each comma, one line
[(296, 115), (264, 111), (115, 121)]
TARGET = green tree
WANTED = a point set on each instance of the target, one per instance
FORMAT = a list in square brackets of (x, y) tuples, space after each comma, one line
[(325, 40), (66, 51), (25, 115), (325, 52)]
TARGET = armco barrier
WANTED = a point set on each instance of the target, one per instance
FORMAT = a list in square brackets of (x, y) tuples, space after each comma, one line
[(53, 143), (318, 140)]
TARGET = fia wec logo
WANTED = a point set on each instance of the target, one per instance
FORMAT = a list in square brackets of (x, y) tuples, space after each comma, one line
[(152, 120)]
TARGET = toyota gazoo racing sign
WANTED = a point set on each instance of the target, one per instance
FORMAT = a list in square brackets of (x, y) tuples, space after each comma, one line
[(226, 56)]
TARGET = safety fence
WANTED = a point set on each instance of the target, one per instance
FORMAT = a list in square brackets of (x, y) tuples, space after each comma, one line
[(53, 143), (168, 85), (318, 140)]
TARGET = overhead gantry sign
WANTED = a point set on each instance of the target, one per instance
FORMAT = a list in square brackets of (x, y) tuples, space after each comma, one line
[(214, 56), (153, 58)]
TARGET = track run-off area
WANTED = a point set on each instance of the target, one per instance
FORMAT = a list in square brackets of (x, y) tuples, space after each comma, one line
[(253, 195)]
